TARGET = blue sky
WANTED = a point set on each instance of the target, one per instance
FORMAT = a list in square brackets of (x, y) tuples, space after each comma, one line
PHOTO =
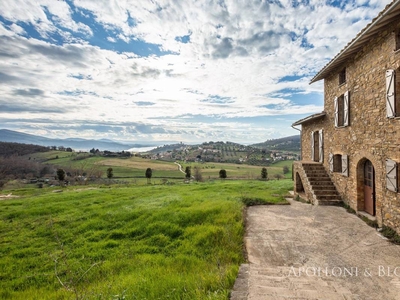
[(169, 70)]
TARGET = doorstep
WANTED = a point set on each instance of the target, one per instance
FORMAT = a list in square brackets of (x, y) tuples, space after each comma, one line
[(367, 215)]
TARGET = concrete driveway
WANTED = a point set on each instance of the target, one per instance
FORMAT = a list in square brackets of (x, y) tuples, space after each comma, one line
[(315, 252)]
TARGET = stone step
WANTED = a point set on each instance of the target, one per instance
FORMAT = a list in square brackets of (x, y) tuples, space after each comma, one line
[(321, 185), (240, 290), (315, 171), (321, 182), (321, 169), (327, 187), (328, 197), (316, 174), (313, 168), (319, 178), (326, 192), (332, 202)]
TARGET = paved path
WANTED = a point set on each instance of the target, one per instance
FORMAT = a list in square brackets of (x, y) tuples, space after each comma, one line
[(306, 252)]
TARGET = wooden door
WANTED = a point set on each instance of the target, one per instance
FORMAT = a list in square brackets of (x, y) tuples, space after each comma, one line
[(316, 146), (369, 188)]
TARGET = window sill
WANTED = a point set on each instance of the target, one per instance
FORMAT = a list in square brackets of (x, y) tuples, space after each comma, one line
[(397, 51), (345, 126), (342, 84)]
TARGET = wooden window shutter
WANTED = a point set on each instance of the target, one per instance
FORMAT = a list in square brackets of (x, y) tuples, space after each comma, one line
[(331, 162), (346, 108), (391, 175), (312, 145), (345, 165), (321, 146), (390, 96), (336, 111)]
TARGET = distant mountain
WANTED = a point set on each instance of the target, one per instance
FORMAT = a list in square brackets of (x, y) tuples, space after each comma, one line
[(74, 143), (290, 143)]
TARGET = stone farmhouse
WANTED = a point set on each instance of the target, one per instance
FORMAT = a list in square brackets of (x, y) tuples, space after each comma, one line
[(351, 150)]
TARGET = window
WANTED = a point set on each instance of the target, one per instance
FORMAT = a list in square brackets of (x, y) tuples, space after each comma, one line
[(397, 40), (317, 146), (392, 88), (392, 176), (342, 76), (339, 163), (342, 110)]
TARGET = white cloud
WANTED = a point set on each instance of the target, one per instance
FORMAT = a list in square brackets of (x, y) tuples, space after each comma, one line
[(238, 50)]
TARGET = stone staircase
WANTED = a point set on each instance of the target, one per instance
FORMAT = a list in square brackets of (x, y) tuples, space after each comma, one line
[(324, 190)]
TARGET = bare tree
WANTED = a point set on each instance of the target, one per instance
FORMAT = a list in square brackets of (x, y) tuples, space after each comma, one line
[(197, 174)]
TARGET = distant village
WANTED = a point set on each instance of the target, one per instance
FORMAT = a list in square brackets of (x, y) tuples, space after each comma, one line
[(222, 152)]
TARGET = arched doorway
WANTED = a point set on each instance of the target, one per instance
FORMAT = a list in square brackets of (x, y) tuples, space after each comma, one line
[(369, 188)]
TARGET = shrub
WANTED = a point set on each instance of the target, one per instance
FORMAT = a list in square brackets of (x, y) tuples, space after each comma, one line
[(60, 174), (222, 174), (285, 169), (110, 173), (149, 173), (188, 172), (264, 173)]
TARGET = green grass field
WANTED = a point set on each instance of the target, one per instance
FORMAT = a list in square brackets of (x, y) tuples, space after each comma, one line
[(236, 171), (135, 167), (182, 241)]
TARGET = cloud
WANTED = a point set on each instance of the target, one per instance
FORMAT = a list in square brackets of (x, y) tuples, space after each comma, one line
[(237, 66), (29, 108), (28, 92), (5, 78), (223, 49)]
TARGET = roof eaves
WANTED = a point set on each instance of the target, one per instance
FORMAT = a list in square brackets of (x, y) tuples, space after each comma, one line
[(309, 118)]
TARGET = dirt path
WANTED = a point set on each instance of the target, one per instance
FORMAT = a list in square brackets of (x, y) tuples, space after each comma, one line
[(180, 167), (8, 196), (315, 252)]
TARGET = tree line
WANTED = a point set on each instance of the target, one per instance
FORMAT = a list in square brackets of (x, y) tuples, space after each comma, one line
[(8, 149)]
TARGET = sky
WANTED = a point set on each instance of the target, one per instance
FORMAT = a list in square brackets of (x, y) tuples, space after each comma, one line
[(169, 70)]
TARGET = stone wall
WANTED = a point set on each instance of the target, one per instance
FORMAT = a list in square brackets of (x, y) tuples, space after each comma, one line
[(370, 134), (306, 137), (302, 186)]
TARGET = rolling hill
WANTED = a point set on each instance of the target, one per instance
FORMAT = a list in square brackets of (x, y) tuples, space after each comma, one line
[(74, 143), (290, 143)]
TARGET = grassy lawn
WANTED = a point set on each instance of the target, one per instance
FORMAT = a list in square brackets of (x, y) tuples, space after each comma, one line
[(135, 167), (211, 170), (126, 242)]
